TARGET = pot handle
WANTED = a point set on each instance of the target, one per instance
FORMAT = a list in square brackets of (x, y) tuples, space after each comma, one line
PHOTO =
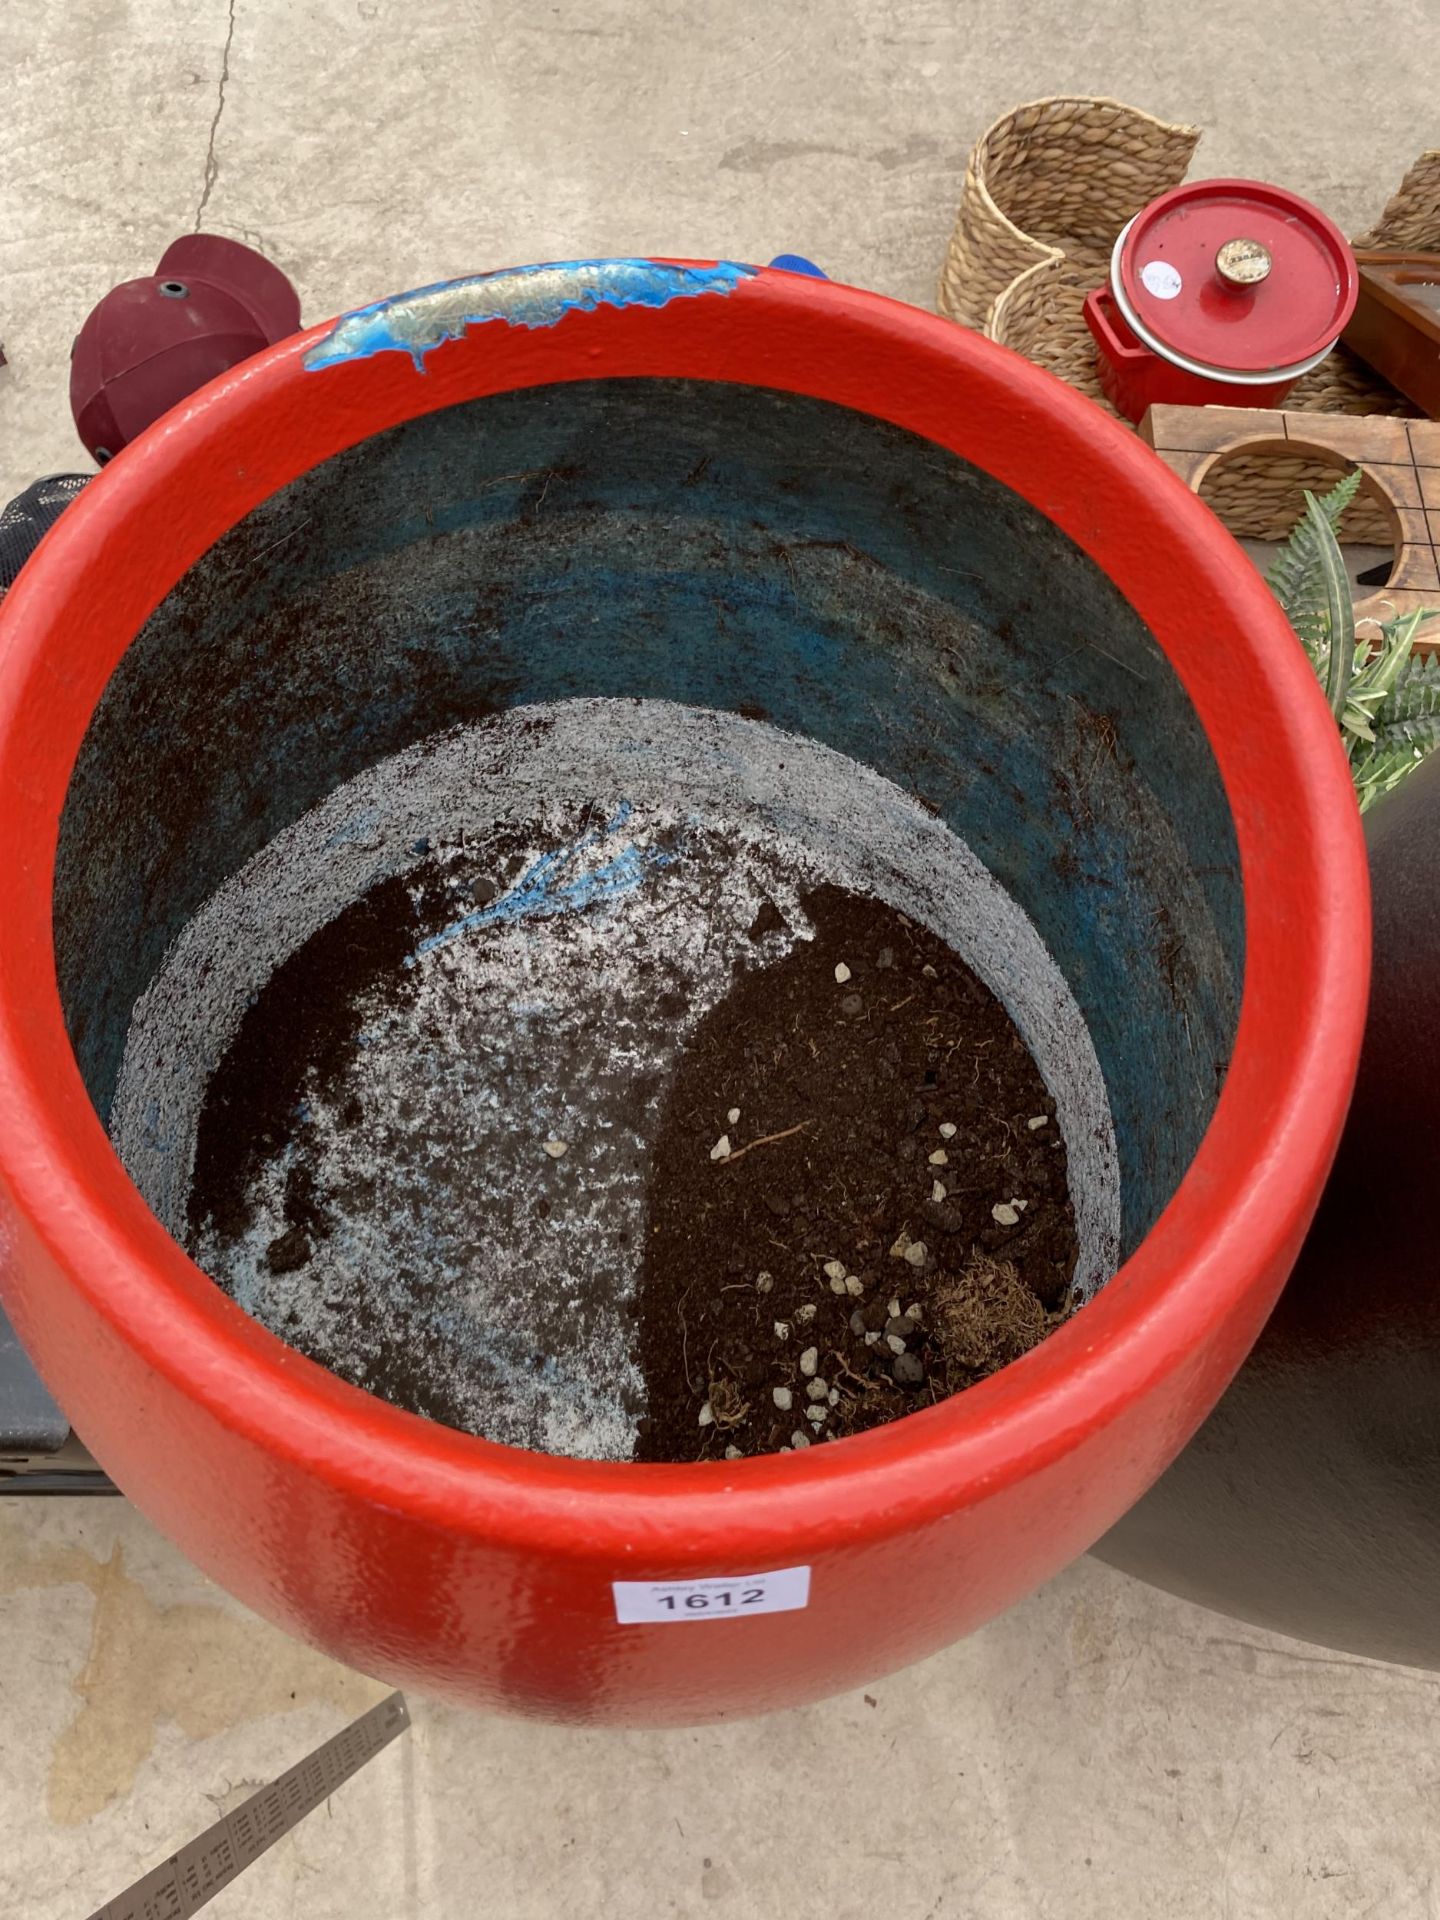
[(1100, 318)]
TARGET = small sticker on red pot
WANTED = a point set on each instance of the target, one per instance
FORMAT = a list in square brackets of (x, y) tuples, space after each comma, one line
[(720, 1597), (1161, 279)]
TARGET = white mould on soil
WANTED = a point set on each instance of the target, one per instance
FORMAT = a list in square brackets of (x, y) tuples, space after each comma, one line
[(672, 827)]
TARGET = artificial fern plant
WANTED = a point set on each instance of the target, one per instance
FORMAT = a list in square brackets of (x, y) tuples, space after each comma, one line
[(1386, 701)]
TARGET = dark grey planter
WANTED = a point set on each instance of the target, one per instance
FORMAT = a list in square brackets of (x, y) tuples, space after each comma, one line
[(1309, 1502)]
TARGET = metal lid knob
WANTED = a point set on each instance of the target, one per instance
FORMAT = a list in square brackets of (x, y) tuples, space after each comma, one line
[(1242, 263)]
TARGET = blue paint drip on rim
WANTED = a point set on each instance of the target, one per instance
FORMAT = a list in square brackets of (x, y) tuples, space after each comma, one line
[(537, 296)]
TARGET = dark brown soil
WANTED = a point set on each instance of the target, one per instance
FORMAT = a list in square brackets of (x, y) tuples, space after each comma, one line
[(296, 1032), (302, 1028), (753, 1259), (843, 1089)]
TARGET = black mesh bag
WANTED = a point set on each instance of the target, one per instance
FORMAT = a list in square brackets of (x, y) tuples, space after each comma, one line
[(30, 515)]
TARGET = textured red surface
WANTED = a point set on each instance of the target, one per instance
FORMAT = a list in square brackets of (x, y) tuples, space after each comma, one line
[(433, 1557)]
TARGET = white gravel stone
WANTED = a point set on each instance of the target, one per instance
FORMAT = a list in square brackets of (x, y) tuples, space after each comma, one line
[(556, 1147), (764, 1282), (733, 1116), (817, 1416), (940, 1158), (707, 1414), (872, 1339), (838, 1286), (1003, 1215), (915, 1313), (721, 1148), (854, 1285), (733, 1453), (937, 1192), (842, 974), (806, 1313), (817, 1390), (783, 1399), (809, 1361), (895, 1343), (915, 1253), (782, 1329), (833, 1396), (894, 1308), (1039, 1120), (947, 1129), (799, 1439), (834, 1269)]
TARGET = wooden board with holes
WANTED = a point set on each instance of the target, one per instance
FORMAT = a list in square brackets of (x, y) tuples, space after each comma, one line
[(1399, 460)]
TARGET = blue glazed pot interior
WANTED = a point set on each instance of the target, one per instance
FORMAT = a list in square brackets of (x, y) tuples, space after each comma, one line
[(720, 547)]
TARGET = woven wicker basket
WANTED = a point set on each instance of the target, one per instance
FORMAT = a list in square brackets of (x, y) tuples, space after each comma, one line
[(1046, 192)]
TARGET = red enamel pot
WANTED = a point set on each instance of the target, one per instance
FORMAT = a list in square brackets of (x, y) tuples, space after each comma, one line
[(1222, 293), (744, 491)]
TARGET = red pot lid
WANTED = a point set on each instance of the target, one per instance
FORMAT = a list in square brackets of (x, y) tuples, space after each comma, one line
[(1235, 275)]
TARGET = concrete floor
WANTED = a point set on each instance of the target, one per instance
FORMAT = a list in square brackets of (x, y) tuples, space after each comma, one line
[(1100, 1752), (1103, 1750)]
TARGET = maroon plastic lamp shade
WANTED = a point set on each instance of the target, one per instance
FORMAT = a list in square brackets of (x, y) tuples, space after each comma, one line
[(209, 304)]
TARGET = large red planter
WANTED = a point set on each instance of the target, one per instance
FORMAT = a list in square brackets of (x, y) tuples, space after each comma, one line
[(429, 1556)]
